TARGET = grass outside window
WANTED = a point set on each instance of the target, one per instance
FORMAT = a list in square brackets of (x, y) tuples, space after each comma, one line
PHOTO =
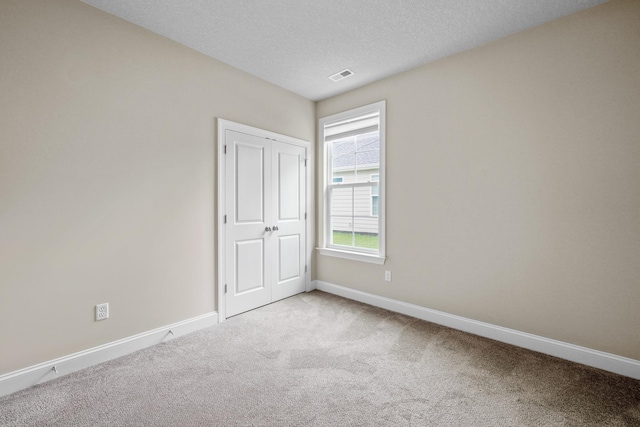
[(362, 240)]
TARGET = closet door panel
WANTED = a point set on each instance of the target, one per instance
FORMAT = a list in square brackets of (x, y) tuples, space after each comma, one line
[(290, 194), (248, 246)]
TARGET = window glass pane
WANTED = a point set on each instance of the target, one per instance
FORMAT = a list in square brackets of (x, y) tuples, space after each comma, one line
[(341, 237), (365, 233), (353, 220), (344, 162), (368, 150), (368, 141), (359, 153), (344, 146), (342, 216), (337, 179), (342, 202), (361, 201)]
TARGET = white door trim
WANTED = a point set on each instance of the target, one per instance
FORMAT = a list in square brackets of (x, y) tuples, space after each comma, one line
[(223, 126)]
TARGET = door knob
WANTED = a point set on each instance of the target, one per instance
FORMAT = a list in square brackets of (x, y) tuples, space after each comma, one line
[(275, 228), (267, 229)]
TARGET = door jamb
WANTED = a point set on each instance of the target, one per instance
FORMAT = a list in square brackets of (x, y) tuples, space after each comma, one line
[(223, 126)]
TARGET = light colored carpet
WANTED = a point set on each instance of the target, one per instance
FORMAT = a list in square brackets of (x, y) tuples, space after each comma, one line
[(320, 360)]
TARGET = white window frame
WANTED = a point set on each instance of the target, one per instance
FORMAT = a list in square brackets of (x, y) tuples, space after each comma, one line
[(355, 254)]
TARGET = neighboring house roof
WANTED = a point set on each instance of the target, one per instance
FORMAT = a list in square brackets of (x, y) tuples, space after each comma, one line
[(365, 148)]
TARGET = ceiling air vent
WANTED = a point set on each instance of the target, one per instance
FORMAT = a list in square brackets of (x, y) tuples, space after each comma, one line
[(341, 75)]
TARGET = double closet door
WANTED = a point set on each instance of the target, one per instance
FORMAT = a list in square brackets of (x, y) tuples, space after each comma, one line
[(265, 229)]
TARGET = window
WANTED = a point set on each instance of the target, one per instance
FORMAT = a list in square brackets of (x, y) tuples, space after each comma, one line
[(353, 220)]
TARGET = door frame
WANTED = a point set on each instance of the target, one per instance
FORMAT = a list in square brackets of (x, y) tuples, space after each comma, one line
[(223, 126)]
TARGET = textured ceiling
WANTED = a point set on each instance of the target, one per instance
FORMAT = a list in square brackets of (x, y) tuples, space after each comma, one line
[(298, 44)]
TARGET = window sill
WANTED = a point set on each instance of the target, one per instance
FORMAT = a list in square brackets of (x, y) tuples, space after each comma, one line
[(354, 256)]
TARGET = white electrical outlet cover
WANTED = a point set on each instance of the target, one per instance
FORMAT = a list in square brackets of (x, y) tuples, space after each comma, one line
[(102, 311)]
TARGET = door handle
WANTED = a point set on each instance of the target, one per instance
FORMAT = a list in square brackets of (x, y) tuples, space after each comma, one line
[(275, 228), (267, 229)]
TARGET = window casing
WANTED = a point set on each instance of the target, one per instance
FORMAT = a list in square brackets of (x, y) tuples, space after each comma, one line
[(353, 185)]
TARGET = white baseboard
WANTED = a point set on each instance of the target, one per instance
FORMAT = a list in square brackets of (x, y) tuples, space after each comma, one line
[(27, 377), (574, 353)]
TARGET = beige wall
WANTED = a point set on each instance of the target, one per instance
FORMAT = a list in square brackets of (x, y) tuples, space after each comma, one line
[(527, 155), (107, 175)]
